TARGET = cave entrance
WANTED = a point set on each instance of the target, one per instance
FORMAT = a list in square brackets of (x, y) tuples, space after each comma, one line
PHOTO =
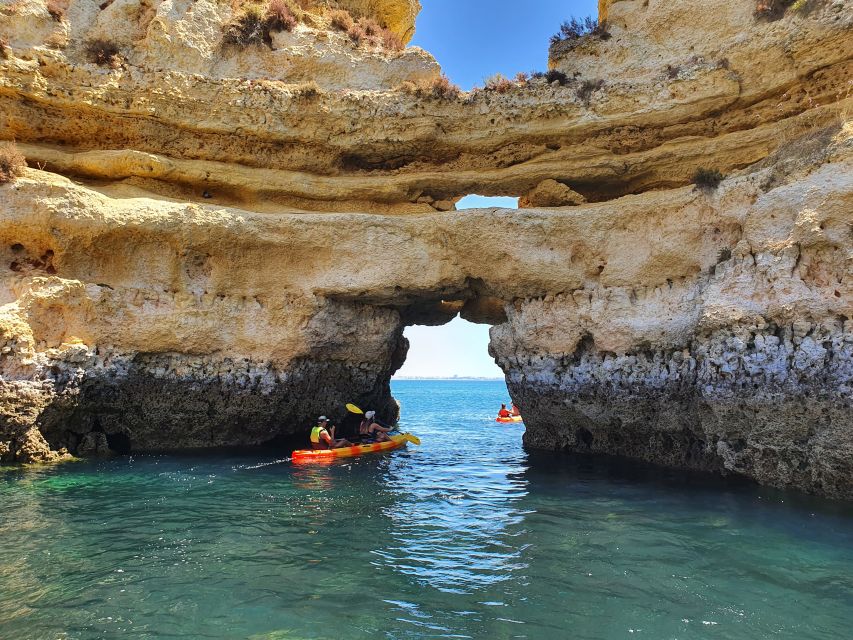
[(458, 349), (449, 380)]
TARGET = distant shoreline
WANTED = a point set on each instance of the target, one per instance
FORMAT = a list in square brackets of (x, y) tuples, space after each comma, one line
[(452, 378)]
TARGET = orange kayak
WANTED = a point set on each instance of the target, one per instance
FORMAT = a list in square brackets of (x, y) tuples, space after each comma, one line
[(303, 456), (510, 419)]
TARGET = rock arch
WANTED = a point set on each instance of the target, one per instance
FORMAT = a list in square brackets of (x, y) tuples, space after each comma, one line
[(217, 254)]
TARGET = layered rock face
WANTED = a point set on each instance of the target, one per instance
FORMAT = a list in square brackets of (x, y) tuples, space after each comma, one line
[(744, 367), (206, 251)]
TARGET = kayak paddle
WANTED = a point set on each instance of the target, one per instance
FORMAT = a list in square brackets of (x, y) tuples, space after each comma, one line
[(354, 409)]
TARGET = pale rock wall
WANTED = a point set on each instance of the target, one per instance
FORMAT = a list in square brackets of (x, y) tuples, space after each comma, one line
[(187, 38), (397, 15), (671, 43), (213, 117), (204, 253), (159, 336), (743, 367), (767, 401)]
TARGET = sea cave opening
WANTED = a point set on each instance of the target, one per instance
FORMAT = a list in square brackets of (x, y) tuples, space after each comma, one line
[(448, 339), (449, 360), (458, 349)]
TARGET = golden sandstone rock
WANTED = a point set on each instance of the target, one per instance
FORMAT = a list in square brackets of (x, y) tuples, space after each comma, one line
[(397, 15), (550, 193), (214, 245)]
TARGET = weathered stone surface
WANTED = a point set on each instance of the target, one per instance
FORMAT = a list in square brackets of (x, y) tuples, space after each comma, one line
[(186, 39), (740, 400), (397, 15), (654, 349), (224, 265), (240, 123), (550, 193)]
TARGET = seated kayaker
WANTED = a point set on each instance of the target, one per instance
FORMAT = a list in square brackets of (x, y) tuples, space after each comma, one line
[(504, 412), (372, 429), (515, 410), (323, 436)]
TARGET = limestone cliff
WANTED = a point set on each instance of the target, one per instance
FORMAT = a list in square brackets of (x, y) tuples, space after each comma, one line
[(207, 251)]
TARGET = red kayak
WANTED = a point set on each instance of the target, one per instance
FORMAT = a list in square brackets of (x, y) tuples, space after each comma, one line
[(326, 455)]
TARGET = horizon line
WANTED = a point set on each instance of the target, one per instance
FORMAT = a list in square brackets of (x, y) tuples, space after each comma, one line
[(446, 378)]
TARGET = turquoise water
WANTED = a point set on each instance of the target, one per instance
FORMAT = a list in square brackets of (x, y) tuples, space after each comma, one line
[(467, 536)]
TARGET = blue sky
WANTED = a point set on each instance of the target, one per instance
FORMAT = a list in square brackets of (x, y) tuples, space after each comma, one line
[(473, 39)]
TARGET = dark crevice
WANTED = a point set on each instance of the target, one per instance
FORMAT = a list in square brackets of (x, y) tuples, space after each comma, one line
[(119, 443)]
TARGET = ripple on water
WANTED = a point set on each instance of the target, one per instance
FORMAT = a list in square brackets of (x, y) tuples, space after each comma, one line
[(465, 537)]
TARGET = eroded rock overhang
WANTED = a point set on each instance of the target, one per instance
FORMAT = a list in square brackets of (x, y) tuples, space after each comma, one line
[(183, 115), (201, 253)]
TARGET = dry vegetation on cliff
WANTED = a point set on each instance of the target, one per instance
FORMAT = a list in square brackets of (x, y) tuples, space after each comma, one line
[(576, 29), (440, 88), (365, 31), (499, 83), (707, 179), (254, 23), (584, 90), (12, 162), (104, 53), (776, 9), (551, 76)]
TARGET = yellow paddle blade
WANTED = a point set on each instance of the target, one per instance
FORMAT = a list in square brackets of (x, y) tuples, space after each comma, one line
[(413, 439), (353, 409)]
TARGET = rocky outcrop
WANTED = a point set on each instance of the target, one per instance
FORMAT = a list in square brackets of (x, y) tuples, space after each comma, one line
[(765, 400), (661, 104), (188, 39), (397, 15), (550, 193), (206, 251)]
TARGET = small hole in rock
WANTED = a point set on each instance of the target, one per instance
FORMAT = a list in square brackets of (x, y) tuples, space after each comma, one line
[(584, 436), (119, 443)]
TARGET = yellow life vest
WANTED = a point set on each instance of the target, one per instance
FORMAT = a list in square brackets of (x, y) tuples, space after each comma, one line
[(315, 433)]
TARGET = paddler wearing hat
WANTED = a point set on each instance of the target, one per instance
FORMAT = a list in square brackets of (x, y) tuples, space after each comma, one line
[(323, 436), (372, 429)]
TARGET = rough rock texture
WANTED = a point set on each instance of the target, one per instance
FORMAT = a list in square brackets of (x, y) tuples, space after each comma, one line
[(550, 193), (187, 38), (397, 15), (202, 252), (238, 126)]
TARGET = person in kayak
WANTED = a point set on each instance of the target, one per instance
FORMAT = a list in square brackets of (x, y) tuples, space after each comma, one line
[(372, 429), (323, 436), (504, 412), (515, 410)]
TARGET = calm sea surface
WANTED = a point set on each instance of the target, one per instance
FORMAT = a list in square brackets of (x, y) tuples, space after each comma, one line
[(467, 536)]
